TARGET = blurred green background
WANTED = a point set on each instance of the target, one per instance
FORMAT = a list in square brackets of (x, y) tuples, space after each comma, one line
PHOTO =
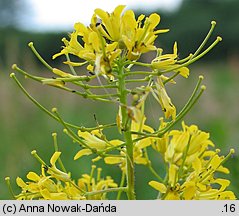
[(23, 127)]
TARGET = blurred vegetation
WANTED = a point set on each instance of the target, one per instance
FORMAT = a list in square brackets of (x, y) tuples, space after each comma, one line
[(11, 12), (190, 23), (23, 127)]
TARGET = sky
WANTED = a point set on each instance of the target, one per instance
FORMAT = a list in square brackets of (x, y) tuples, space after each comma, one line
[(50, 15)]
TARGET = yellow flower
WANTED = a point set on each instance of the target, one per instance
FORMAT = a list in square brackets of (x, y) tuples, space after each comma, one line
[(166, 193), (169, 62), (94, 141), (173, 175), (190, 142), (193, 167), (99, 55), (72, 192), (104, 41), (139, 158), (135, 35), (158, 186), (53, 187), (111, 22), (160, 144), (164, 100), (138, 148), (139, 38), (54, 172), (199, 182), (39, 187), (90, 184)]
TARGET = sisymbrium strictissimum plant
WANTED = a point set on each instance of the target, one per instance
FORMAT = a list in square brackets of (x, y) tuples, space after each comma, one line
[(109, 49)]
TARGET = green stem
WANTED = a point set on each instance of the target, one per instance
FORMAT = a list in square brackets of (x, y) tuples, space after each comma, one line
[(98, 127), (192, 100), (54, 110), (106, 191), (35, 155), (70, 66), (185, 109), (181, 61), (126, 125), (231, 152), (113, 148), (195, 58), (39, 56), (36, 78), (180, 172), (155, 173), (133, 73), (137, 80), (77, 187), (70, 79), (12, 75), (170, 78), (140, 64), (149, 165), (7, 179), (213, 24), (86, 86), (181, 114), (121, 185)]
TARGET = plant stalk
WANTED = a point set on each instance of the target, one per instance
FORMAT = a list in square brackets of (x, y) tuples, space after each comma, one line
[(126, 125)]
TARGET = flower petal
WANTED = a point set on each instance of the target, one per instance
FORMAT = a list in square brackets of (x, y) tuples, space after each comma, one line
[(54, 158), (113, 160), (158, 186), (33, 176), (81, 153)]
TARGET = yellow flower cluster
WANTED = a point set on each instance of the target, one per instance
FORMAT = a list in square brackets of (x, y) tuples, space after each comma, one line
[(192, 166), (191, 162), (98, 142), (169, 62), (108, 36), (110, 47), (116, 36), (54, 184)]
